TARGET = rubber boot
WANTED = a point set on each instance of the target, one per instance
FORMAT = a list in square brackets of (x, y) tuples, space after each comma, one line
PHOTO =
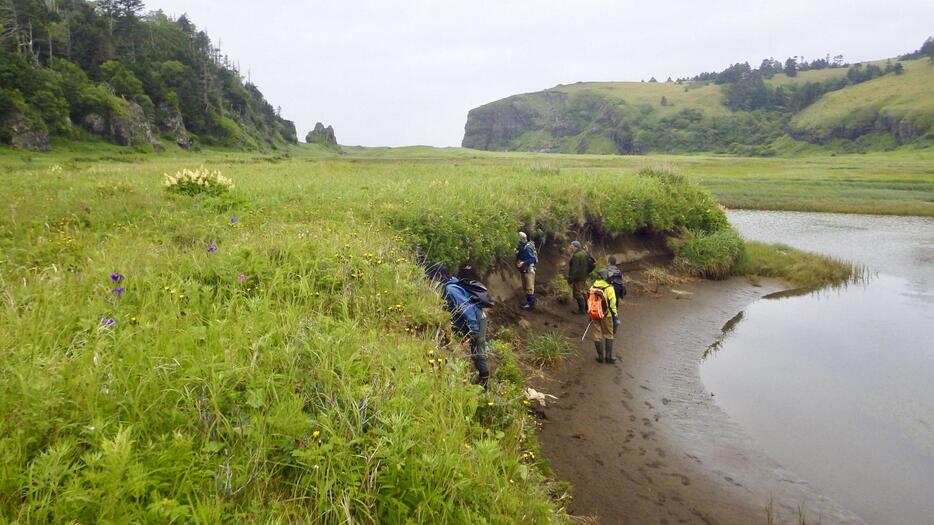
[(529, 302), (609, 352), (599, 346), (483, 381)]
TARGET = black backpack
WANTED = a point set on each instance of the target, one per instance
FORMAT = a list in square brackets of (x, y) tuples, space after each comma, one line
[(617, 281), (479, 295), (591, 264)]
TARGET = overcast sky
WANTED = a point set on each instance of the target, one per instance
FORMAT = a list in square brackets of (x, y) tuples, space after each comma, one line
[(394, 73)]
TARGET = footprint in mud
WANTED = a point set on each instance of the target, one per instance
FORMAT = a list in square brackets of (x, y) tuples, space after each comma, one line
[(626, 405), (655, 464), (685, 481), (732, 481), (648, 478), (648, 435), (695, 458), (646, 422), (617, 380), (642, 451), (630, 434), (630, 375), (665, 401), (627, 394), (643, 496), (643, 387), (649, 405), (661, 453), (632, 419)]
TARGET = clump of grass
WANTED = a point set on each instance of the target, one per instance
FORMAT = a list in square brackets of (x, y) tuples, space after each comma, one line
[(804, 269), (542, 168), (558, 287), (659, 276), (507, 369), (548, 348), (708, 255)]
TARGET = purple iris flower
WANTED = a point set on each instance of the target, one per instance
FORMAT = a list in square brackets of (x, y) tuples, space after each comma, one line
[(117, 277), (212, 247), (107, 322), (234, 220), (119, 291)]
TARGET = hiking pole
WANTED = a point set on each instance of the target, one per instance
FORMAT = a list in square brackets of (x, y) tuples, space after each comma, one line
[(585, 331)]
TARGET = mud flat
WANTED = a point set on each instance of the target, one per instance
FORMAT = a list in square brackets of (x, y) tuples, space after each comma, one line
[(642, 441)]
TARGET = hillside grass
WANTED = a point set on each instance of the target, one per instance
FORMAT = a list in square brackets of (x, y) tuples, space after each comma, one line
[(274, 354), (908, 97), (705, 97)]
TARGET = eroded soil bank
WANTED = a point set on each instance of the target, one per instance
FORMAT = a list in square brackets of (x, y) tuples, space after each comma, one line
[(642, 441)]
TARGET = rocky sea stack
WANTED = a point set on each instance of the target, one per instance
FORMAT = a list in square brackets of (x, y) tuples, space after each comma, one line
[(322, 135)]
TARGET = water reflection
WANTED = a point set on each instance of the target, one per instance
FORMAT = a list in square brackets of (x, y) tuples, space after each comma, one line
[(836, 384)]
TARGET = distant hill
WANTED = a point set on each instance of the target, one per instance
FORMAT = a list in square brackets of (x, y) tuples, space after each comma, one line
[(79, 69), (743, 110)]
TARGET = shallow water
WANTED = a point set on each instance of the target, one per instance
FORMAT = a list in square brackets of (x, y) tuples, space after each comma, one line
[(838, 385)]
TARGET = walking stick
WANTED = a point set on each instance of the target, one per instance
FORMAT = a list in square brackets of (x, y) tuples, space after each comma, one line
[(585, 331)]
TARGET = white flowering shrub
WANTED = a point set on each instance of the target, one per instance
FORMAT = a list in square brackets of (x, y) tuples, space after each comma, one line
[(193, 182)]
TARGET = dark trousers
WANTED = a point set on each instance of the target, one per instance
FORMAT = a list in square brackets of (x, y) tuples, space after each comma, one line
[(478, 350)]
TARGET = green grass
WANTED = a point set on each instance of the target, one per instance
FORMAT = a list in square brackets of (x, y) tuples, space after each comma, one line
[(547, 349), (891, 183), (689, 95), (711, 255), (907, 98), (803, 269), (300, 372), (295, 374)]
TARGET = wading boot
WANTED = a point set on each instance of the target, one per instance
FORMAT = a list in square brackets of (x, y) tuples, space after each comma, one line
[(599, 346), (529, 303), (483, 381), (609, 352)]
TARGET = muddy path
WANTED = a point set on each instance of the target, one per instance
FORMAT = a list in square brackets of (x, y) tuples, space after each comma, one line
[(641, 441)]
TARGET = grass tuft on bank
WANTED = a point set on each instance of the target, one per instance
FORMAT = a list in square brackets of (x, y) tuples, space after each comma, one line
[(805, 270), (722, 254)]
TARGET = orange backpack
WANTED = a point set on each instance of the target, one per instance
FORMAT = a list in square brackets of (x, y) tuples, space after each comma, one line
[(597, 305)]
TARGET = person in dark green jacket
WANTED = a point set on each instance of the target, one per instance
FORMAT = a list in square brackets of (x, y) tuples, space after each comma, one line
[(579, 269)]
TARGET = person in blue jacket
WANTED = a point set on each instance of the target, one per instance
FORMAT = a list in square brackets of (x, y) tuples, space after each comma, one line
[(526, 259), (468, 319)]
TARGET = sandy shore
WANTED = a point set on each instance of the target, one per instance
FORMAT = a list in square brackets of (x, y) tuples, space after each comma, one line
[(642, 441)]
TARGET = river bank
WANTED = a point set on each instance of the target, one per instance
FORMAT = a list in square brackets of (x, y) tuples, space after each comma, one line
[(642, 441)]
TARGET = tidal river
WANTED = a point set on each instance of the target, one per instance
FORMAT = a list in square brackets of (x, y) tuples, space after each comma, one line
[(838, 385)]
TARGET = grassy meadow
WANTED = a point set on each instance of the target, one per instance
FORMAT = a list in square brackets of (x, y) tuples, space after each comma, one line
[(274, 353), (890, 183)]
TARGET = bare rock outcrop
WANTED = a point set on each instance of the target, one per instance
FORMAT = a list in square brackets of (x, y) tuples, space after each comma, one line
[(322, 135), (21, 133), (125, 125)]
